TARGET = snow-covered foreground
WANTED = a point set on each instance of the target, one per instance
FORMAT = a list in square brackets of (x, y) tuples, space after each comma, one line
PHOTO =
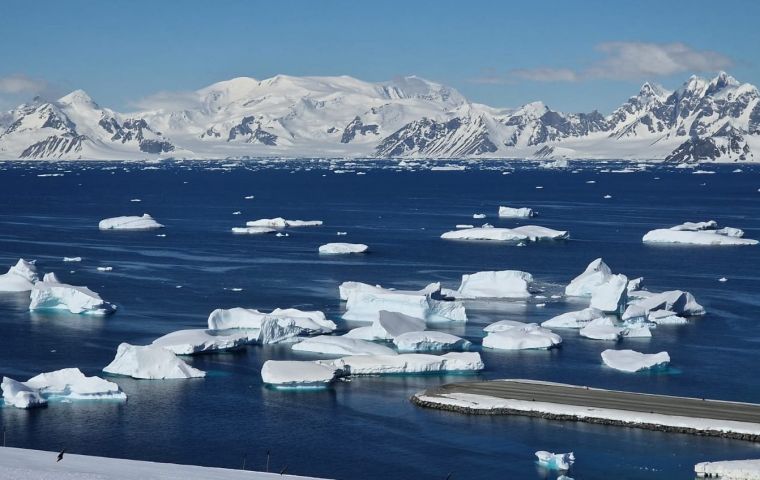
[(18, 463), (729, 469)]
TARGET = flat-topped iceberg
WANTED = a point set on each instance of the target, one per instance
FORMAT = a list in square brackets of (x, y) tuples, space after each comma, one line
[(633, 361), (527, 337), (297, 374), (601, 329), (406, 363), (429, 341), (346, 288), (577, 319), (150, 362), (339, 248), (512, 212), (678, 302), (199, 340), (699, 233), (145, 222), (536, 233), (364, 302), (51, 294), (310, 322), (20, 277), (332, 345), (280, 222), (495, 284), (555, 461), (532, 233), (253, 230), (18, 395), (68, 384)]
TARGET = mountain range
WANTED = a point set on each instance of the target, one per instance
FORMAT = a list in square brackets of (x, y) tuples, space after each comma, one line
[(714, 119)]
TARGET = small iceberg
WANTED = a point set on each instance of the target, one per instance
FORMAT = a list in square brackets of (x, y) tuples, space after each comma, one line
[(427, 341), (406, 363), (341, 346), (17, 394), (20, 277), (309, 322), (503, 325), (297, 374), (193, 341), (633, 361), (146, 222), (339, 248), (72, 259), (364, 303), (67, 384), (597, 274), (511, 212), (555, 461), (611, 296), (51, 294), (577, 319), (527, 337), (280, 222), (601, 329), (698, 233), (494, 284), (252, 230), (150, 362), (531, 233), (676, 302)]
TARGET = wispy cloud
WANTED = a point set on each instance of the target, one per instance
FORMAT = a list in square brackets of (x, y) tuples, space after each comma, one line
[(21, 84), (624, 61)]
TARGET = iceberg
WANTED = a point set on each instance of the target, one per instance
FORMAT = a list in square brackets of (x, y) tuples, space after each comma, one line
[(596, 274), (346, 288), (192, 341), (332, 345), (20, 277), (150, 362), (19, 395), (677, 302), (535, 233), (528, 337), (280, 222), (253, 230), (297, 374), (532, 233), (146, 222), (611, 296), (633, 361), (601, 329), (511, 212), (51, 294), (406, 363), (664, 317), (555, 461), (495, 284), (578, 319), (699, 233), (339, 248), (310, 322), (503, 325), (69, 383), (428, 341), (364, 303)]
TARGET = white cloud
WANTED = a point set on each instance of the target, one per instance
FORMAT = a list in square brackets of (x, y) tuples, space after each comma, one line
[(18, 84)]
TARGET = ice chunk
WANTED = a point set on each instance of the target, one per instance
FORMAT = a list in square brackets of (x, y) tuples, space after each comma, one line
[(150, 362), (297, 374), (72, 259), (146, 222), (406, 363), (390, 325), (555, 461), (332, 345), (676, 301), (342, 248), (699, 233), (346, 288), (364, 302), (253, 230), (601, 329), (577, 319), (511, 212), (361, 333), (531, 336), (19, 395), (429, 341), (192, 341), (495, 284), (309, 322), (503, 325), (665, 317), (20, 277), (612, 295), (597, 273), (633, 361), (536, 233), (51, 294), (478, 216), (280, 222), (71, 383), (526, 232)]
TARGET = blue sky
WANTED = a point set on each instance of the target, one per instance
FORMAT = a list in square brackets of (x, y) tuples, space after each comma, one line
[(573, 55)]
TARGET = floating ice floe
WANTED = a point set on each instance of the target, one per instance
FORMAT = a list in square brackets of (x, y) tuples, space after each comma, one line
[(531, 233), (429, 341), (364, 302), (146, 222), (494, 284), (478, 216), (253, 230), (72, 259), (633, 361), (406, 363), (297, 374), (527, 337), (338, 248), (332, 345), (280, 222), (192, 341), (20, 277), (578, 319), (555, 461), (150, 362), (601, 329), (462, 225), (677, 302), (105, 269), (309, 322), (65, 384), (51, 294), (17, 394), (511, 212), (699, 233)]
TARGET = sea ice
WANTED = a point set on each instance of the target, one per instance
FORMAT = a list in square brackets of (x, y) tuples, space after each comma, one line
[(309, 322), (192, 341), (487, 233), (601, 329), (511, 212), (555, 461), (342, 248), (253, 230), (364, 302), (20, 277), (150, 362), (528, 337), (146, 222), (428, 341), (297, 374), (332, 345), (578, 319), (51, 294), (495, 284), (633, 361), (406, 363), (503, 325), (699, 233), (280, 222)]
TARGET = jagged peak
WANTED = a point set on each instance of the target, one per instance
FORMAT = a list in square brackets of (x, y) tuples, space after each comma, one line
[(721, 81), (652, 90), (78, 97)]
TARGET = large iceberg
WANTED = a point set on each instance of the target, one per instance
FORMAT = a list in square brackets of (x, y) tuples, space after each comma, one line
[(332, 345), (601, 329), (699, 233), (495, 284), (364, 302), (633, 361), (68, 383), (555, 461), (17, 394), (611, 296), (150, 362), (596, 274), (280, 222), (297, 374), (339, 248), (578, 319), (512, 212), (51, 294), (406, 363), (19, 278), (199, 340), (676, 301), (428, 341), (146, 222), (527, 232), (310, 322), (527, 337)]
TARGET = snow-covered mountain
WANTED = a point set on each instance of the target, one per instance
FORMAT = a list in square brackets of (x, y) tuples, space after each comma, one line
[(704, 120)]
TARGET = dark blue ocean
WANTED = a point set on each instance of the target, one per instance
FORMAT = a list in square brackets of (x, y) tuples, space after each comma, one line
[(367, 428)]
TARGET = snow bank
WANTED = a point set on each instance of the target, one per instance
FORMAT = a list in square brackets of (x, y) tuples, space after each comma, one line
[(150, 362), (339, 248), (601, 329), (729, 469), (280, 222), (146, 222), (332, 345), (19, 395), (633, 361), (578, 319), (192, 341), (406, 363), (555, 461), (51, 294), (297, 374), (364, 302), (495, 284), (429, 342), (528, 337), (511, 212), (699, 233), (310, 322), (19, 278)]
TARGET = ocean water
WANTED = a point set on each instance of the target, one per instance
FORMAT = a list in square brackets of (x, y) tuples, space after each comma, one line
[(367, 428)]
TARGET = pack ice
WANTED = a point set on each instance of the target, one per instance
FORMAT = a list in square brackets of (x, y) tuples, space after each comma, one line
[(51, 294), (145, 222), (20, 277), (150, 362), (364, 302), (68, 383), (699, 233)]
